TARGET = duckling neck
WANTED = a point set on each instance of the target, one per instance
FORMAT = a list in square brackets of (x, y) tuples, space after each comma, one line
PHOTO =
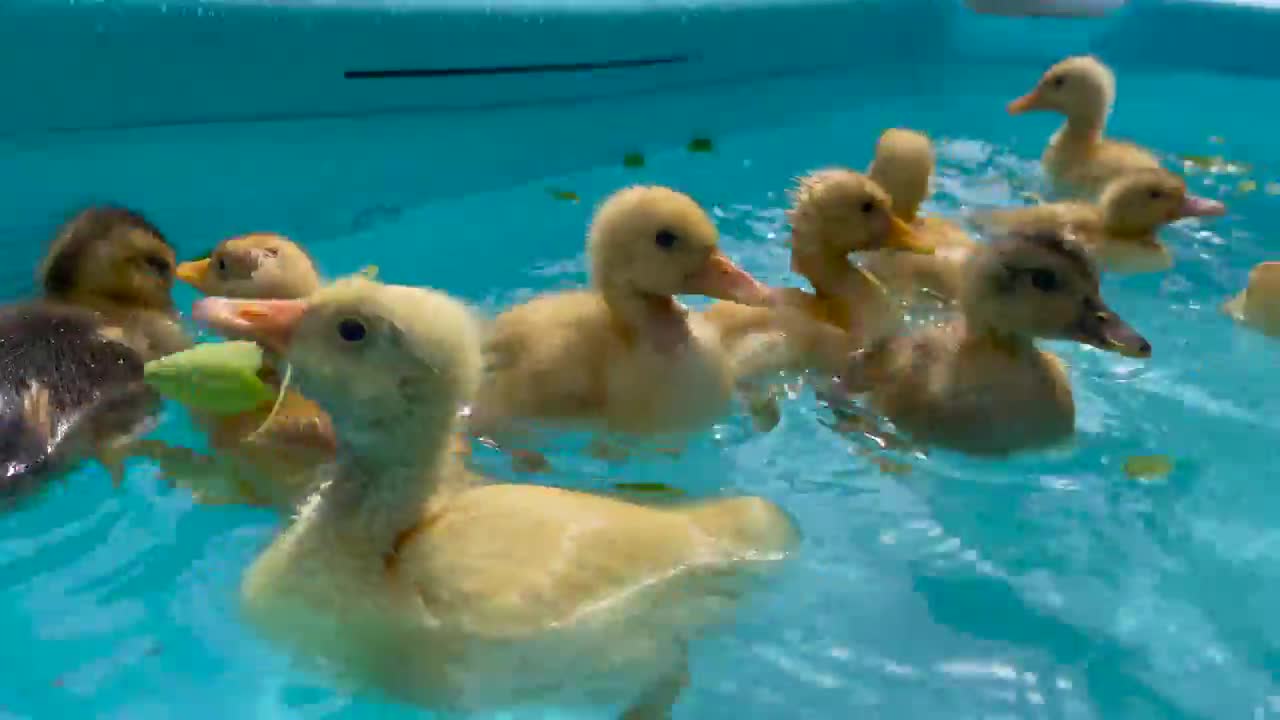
[(979, 336), (1085, 126), (1117, 227), (658, 319), (834, 276), (388, 472)]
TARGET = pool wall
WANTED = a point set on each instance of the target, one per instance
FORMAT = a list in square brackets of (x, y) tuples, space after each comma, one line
[(316, 119)]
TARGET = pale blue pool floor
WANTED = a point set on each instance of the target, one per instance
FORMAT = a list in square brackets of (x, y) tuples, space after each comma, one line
[(1050, 586)]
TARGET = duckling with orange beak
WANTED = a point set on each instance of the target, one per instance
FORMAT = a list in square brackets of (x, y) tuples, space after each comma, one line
[(835, 214), (623, 357), (1120, 230), (261, 455), (1258, 305)]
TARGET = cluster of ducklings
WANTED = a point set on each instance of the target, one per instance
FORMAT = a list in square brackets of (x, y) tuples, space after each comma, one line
[(406, 570)]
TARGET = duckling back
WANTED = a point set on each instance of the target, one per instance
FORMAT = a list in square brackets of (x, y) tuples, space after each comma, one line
[(91, 386)]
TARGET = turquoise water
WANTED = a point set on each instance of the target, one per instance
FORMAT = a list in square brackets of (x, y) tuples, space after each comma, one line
[(1049, 586)]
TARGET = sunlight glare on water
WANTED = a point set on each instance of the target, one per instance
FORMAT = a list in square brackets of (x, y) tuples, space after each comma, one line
[(1050, 585)]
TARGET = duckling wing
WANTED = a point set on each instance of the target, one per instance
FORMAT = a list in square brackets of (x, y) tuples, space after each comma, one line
[(546, 358), (515, 560)]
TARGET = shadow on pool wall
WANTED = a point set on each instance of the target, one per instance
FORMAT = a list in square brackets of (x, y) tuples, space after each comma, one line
[(222, 117)]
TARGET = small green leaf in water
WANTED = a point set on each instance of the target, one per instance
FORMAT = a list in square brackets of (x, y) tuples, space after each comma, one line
[(566, 195), (369, 271), (700, 145), (1148, 468), (633, 160), (649, 488), (1247, 186), (1272, 188)]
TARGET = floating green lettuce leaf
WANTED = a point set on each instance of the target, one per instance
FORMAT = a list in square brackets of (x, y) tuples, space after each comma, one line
[(700, 145), (566, 195), (633, 160), (220, 378)]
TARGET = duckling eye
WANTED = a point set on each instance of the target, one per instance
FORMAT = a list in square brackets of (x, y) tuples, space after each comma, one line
[(1044, 280), (222, 265), (665, 239), (351, 330), (1156, 194), (1058, 81), (270, 252), (868, 207), (157, 264)]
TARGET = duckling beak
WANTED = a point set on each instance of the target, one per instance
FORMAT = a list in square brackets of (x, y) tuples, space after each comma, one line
[(1196, 206), (721, 279), (270, 323), (195, 272), (1103, 329), (903, 237), (1026, 103)]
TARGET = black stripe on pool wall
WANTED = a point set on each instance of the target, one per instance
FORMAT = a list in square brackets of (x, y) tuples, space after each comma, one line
[(514, 69)]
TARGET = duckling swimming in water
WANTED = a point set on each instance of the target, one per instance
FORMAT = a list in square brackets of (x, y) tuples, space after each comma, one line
[(979, 384), (403, 575), (263, 266), (835, 213), (1080, 160), (71, 372), (1120, 230), (624, 356)]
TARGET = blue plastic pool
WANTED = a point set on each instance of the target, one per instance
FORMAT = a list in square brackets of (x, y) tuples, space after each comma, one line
[(1049, 586)]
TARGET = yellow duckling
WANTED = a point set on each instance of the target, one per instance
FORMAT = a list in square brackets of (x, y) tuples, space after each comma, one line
[(254, 266), (1080, 160), (261, 457), (903, 165), (1120, 229), (979, 384), (1258, 305), (835, 213), (403, 576), (623, 356)]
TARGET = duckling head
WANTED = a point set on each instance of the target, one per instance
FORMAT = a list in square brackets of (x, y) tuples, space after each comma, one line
[(383, 360), (110, 255), (1043, 284), (1143, 200), (257, 265), (655, 242), (1081, 87), (1259, 303), (836, 212), (902, 165)]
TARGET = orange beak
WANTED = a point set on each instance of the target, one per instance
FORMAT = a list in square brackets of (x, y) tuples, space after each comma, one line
[(195, 273), (1026, 103), (721, 279), (270, 323)]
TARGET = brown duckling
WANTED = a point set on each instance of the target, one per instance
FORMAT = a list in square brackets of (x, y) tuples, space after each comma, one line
[(71, 376), (402, 575), (1120, 229), (979, 384)]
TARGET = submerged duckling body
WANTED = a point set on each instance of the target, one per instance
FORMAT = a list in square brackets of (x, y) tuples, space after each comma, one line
[(835, 214), (71, 382), (403, 575), (979, 384), (1079, 159), (1120, 230), (623, 356)]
